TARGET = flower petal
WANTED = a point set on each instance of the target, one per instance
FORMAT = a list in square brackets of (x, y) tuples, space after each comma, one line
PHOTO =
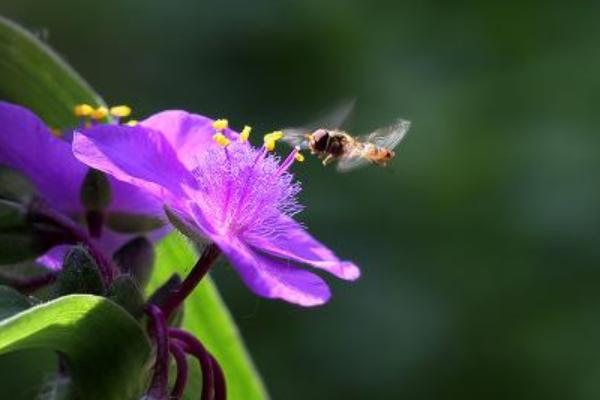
[(296, 244), (136, 155), (53, 259), (271, 278), (27, 145), (188, 133)]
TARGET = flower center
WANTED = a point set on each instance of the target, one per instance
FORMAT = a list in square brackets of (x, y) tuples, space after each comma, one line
[(245, 190)]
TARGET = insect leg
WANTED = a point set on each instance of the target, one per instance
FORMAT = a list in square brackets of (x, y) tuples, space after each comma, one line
[(327, 159)]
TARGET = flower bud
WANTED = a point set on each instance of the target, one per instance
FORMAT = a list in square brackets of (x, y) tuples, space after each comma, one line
[(184, 226), (125, 292), (15, 186), (79, 274), (136, 258), (12, 215), (95, 191), (160, 296), (132, 223)]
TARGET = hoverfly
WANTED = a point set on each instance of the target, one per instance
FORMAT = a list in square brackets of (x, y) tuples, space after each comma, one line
[(350, 151)]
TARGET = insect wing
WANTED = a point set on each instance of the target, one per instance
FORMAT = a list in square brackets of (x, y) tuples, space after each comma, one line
[(388, 137), (351, 162), (333, 120), (296, 137)]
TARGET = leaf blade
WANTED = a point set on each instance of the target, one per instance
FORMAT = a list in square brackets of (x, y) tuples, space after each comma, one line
[(105, 346), (35, 76)]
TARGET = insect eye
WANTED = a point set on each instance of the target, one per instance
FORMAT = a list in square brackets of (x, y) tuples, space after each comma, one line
[(319, 134)]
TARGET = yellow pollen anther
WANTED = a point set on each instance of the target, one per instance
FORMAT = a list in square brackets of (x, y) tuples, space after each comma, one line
[(83, 110), (245, 133), (100, 113), (220, 124), (277, 135), (132, 122), (299, 157), (269, 143), (221, 139), (120, 111), (270, 139)]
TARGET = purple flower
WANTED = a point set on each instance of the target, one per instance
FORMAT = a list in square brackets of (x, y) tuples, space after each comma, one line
[(28, 146), (230, 193)]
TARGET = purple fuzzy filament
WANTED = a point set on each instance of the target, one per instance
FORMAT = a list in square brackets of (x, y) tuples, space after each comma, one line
[(209, 255), (160, 378), (182, 369)]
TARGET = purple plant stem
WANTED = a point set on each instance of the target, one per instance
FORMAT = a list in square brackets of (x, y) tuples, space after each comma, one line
[(182, 369), (196, 349), (160, 378), (209, 255), (77, 235), (220, 387), (95, 222), (30, 284)]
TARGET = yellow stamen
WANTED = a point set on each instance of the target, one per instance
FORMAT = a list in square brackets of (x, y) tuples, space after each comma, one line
[(277, 135), (245, 133), (220, 124), (299, 157), (269, 143), (132, 122), (120, 111), (221, 139), (83, 110), (100, 113), (270, 139)]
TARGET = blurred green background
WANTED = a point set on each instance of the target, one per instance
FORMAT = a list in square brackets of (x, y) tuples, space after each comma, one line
[(479, 246)]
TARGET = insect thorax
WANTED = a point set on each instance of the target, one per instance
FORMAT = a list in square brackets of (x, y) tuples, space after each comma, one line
[(329, 142)]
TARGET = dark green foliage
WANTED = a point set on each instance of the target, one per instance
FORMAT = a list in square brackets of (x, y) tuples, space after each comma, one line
[(12, 302), (18, 245), (105, 350), (12, 215), (79, 274)]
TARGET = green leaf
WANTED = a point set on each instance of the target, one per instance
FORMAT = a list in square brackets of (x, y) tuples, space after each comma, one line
[(107, 351), (207, 317), (17, 245), (35, 76), (12, 302), (24, 375)]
